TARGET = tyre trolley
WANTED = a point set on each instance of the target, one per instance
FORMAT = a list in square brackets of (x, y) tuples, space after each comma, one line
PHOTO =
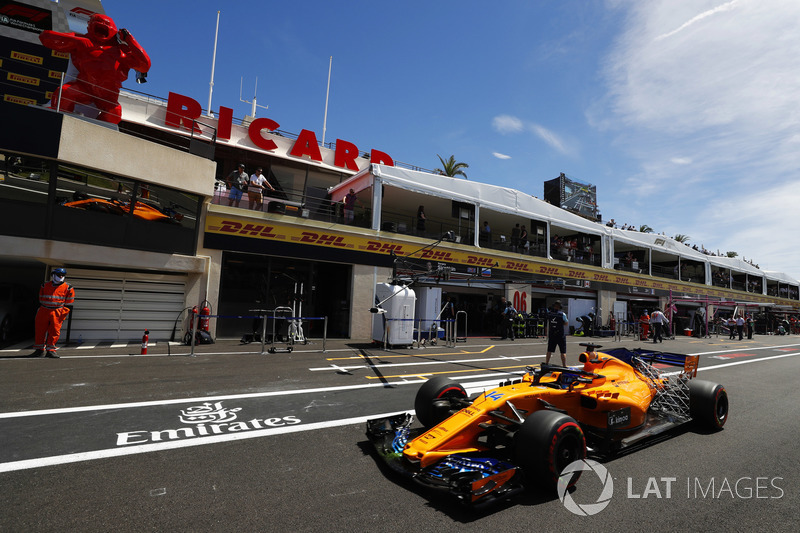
[(280, 313)]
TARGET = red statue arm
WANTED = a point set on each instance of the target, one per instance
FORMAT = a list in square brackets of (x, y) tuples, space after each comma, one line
[(63, 42), (136, 57)]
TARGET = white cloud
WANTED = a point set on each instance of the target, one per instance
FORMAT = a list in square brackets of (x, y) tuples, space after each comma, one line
[(498, 155), (510, 124), (507, 124), (549, 137), (717, 83)]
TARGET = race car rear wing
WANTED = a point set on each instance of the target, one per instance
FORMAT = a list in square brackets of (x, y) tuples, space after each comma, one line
[(687, 362)]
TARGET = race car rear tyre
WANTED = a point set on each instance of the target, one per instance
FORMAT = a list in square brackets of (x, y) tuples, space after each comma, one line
[(429, 412), (708, 403), (545, 445)]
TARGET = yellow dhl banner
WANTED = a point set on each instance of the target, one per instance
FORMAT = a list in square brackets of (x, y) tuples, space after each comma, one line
[(270, 231)]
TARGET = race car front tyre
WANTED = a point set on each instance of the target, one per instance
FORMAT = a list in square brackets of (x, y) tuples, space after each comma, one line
[(708, 403), (428, 404), (545, 445)]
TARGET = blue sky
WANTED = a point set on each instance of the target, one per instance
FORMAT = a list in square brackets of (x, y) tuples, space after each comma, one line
[(683, 113)]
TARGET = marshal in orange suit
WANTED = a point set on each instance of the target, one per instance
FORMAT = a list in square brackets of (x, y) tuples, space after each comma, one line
[(54, 297)]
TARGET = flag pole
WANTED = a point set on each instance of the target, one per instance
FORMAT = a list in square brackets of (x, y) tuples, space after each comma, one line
[(327, 93), (213, 64)]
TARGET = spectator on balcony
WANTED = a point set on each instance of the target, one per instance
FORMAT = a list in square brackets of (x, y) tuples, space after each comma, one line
[(237, 184), (350, 200), (523, 239), (255, 189), (421, 220), (486, 233), (515, 232)]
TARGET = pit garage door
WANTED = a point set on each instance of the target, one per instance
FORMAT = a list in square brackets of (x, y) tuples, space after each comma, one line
[(119, 306)]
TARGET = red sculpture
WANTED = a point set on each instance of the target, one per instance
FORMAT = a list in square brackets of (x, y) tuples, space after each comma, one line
[(103, 57)]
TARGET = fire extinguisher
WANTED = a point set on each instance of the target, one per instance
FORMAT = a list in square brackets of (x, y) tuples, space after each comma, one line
[(613, 322), (145, 338), (205, 312)]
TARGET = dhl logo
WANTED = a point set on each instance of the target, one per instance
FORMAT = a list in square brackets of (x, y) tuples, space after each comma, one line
[(517, 265), (247, 229), (480, 261), (576, 274), (437, 255), (550, 271), (384, 247), (28, 58), (620, 279), (600, 277), (323, 239), (640, 283), (19, 78)]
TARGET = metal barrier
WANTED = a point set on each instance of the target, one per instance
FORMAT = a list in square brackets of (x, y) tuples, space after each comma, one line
[(294, 330)]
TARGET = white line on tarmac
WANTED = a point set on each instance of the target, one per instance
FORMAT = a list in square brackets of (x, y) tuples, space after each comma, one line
[(172, 445), (145, 448)]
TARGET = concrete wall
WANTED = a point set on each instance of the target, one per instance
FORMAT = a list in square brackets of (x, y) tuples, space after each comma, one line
[(364, 280), (90, 145)]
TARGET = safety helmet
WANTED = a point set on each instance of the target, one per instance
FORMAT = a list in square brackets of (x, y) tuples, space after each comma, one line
[(60, 271)]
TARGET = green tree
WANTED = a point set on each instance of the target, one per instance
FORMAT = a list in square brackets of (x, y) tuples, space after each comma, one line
[(451, 167), (644, 228), (731, 254), (680, 237)]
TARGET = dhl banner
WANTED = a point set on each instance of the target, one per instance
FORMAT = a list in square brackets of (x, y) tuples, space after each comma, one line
[(312, 236)]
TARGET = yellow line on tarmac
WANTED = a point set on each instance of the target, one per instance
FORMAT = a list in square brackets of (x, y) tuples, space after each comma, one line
[(422, 375), (361, 356)]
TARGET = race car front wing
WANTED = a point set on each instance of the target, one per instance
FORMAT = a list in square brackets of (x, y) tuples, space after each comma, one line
[(475, 480)]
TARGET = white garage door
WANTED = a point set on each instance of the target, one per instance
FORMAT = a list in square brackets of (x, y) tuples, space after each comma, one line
[(119, 306)]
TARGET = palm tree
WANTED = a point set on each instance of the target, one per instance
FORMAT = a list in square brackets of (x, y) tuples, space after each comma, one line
[(644, 228), (451, 167), (680, 237)]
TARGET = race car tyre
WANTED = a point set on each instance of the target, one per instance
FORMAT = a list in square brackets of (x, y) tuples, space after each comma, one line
[(545, 445), (429, 413), (708, 403)]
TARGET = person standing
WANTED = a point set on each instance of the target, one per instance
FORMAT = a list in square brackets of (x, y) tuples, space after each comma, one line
[(515, 233), (740, 326), (421, 220), (750, 327), (556, 320), (508, 321), (644, 324), (731, 327), (54, 297), (523, 239), (657, 320), (237, 184), (350, 200), (255, 190)]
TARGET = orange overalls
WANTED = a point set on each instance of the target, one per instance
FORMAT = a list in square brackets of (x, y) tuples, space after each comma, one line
[(644, 322), (52, 312)]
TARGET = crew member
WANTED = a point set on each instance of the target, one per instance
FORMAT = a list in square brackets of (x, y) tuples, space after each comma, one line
[(657, 320), (644, 324), (54, 296), (556, 319)]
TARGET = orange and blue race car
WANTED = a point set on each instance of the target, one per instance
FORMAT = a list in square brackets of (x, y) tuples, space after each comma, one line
[(525, 432)]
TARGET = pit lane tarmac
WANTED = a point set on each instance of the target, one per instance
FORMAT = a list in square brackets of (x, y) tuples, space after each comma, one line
[(32, 439)]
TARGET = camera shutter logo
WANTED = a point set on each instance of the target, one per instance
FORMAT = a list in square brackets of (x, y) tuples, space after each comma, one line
[(586, 509)]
